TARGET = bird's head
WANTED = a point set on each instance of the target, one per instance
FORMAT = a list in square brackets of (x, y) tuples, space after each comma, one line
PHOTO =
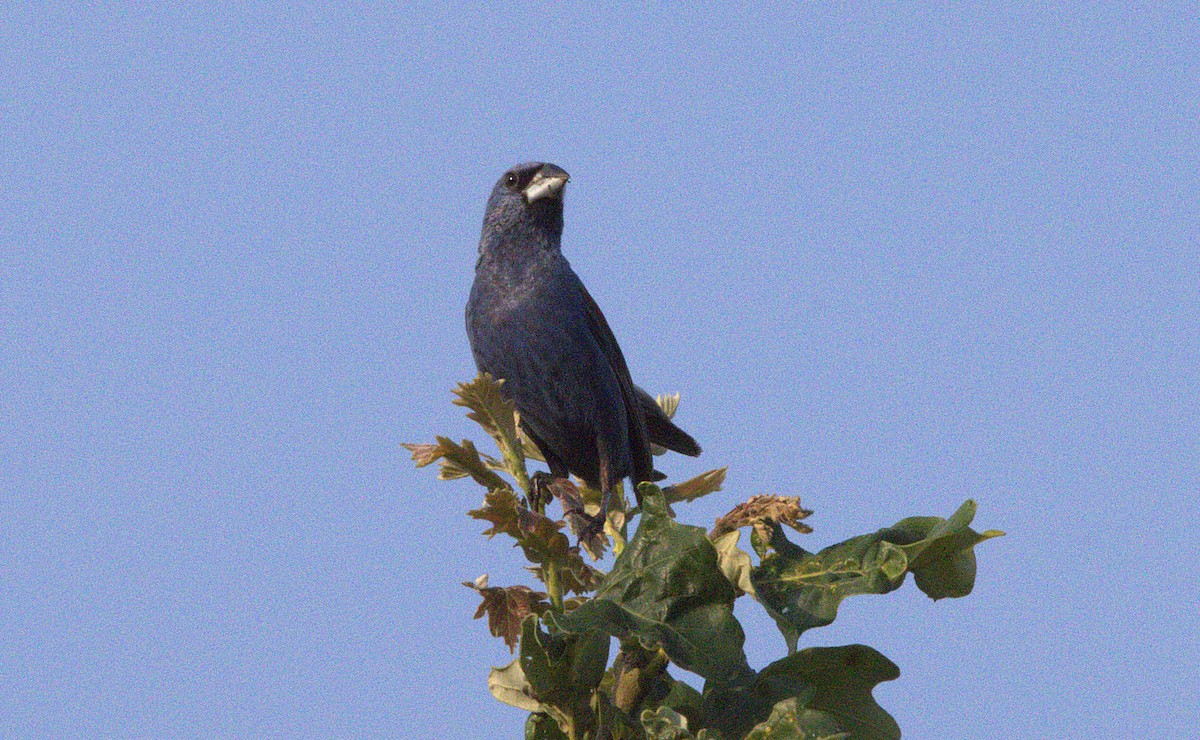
[(526, 200)]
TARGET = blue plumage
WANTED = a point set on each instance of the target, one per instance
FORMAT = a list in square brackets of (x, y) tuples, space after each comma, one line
[(531, 322)]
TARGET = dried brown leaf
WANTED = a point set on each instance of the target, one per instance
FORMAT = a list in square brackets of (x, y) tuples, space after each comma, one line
[(761, 512), (506, 607), (540, 537), (500, 508)]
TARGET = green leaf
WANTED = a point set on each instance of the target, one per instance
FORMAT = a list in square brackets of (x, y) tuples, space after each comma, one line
[(542, 727), (805, 591), (458, 461), (686, 701), (666, 589), (802, 590), (589, 660), (562, 672), (500, 508), (488, 407), (835, 681), (792, 721), (842, 679), (498, 417), (665, 723), (508, 685), (734, 561), (940, 552)]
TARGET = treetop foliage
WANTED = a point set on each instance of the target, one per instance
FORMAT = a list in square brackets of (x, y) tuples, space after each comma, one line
[(668, 600)]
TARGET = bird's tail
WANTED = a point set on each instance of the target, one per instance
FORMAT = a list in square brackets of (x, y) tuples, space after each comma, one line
[(661, 430)]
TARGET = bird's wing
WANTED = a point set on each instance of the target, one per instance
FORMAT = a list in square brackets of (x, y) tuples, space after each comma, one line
[(639, 442), (543, 345)]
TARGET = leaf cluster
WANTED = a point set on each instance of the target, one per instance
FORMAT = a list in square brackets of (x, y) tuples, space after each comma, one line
[(668, 601)]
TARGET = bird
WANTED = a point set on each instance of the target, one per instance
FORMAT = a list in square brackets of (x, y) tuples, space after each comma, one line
[(532, 324)]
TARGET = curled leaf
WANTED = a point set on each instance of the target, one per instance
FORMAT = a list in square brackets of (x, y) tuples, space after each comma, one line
[(665, 723), (509, 685), (763, 509), (734, 561), (701, 485), (802, 590)]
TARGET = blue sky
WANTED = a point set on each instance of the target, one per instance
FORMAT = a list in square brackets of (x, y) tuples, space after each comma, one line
[(893, 257)]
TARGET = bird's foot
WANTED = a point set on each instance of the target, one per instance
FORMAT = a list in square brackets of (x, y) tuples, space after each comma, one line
[(592, 525), (540, 492)]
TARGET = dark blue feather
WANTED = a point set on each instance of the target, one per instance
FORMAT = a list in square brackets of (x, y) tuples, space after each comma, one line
[(531, 322)]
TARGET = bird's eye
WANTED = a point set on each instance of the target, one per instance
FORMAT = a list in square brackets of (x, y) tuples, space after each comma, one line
[(510, 180)]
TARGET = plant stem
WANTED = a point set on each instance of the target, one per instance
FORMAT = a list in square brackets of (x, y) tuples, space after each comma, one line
[(515, 457), (554, 586)]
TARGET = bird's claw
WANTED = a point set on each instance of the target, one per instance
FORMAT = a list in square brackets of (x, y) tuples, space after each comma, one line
[(592, 525), (539, 489)]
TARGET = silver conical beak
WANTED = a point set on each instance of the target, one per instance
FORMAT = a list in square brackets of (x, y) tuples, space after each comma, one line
[(548, 182)]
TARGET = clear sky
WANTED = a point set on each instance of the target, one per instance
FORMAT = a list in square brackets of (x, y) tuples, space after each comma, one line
[(893, 258)]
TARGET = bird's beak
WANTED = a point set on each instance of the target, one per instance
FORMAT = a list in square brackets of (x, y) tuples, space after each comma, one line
[(548, 182)]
